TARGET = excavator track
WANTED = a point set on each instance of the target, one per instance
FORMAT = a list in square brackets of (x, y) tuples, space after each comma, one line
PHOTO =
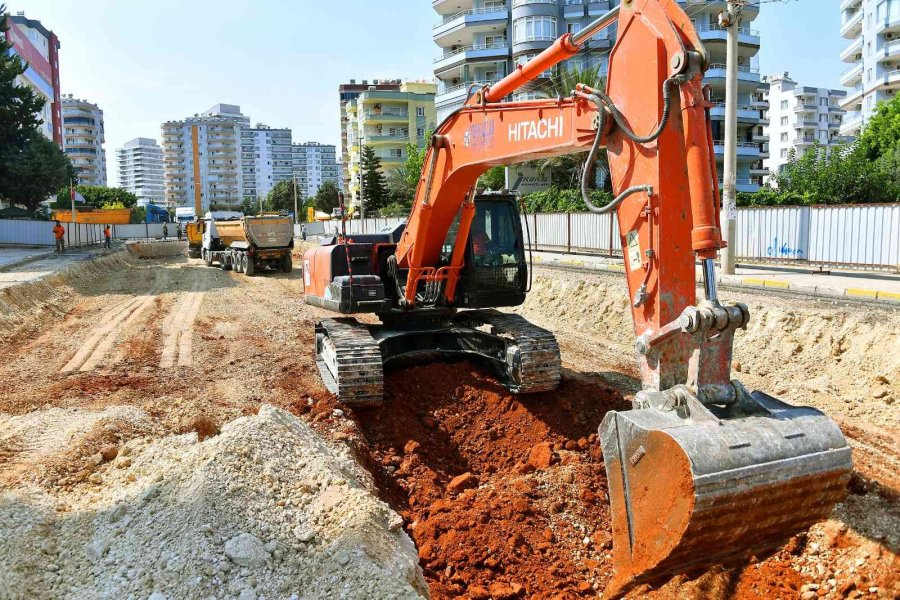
[(533, 359), (349, 361)]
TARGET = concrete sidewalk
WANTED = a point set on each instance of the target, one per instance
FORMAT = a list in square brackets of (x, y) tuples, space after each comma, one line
[(884, 287), (15, 256)]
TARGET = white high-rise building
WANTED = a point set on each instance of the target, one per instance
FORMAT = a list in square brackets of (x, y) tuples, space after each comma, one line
[(314, 164), (873, 55), (265, 159), (481, 41), (218, 148), (141, 170), (799, 118), (83, 139)]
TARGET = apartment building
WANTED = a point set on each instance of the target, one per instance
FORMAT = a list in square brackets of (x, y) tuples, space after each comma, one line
[(872, 28), (480, 41), (265, 159), (39, 47), (215, 137), (313, 165), (799, 118), (349, 92), (140, 163), (387, 121), (83, 139)]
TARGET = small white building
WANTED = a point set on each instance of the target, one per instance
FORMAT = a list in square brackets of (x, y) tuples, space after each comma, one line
[(799, 118), (140, 163)]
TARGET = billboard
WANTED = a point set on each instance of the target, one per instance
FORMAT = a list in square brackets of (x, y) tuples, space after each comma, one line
[(522, 179)]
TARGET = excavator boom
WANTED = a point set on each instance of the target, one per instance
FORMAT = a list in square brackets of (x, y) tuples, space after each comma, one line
[(701, 469)]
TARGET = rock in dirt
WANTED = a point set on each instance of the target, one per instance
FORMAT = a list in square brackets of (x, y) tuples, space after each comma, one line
[(246, 551), (541, 455), (462, 482)]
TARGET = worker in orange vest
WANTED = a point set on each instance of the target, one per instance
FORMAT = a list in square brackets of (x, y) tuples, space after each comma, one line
[(59, 233), (107, 237)]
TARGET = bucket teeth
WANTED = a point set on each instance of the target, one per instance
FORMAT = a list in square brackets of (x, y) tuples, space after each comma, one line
[(706, 486)]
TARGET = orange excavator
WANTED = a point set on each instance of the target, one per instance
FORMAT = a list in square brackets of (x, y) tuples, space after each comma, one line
[(701, 470)]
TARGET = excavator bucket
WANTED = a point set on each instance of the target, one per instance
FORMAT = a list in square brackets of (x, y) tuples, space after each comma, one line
[(693, 484)]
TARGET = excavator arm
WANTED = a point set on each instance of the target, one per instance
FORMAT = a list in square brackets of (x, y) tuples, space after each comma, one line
[(701, 470)]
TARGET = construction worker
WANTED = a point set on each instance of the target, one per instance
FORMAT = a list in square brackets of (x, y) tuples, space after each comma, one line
[(59, 233), (165, 231), (107, 237), (178, 231)]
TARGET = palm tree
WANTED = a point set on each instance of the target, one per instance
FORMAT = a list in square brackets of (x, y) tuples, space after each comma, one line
[(566, 170)]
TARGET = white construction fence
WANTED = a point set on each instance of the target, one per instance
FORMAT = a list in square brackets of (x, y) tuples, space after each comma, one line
[(863, 236)]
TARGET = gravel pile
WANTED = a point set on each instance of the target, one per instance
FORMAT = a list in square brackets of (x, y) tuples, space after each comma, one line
[(266, 509)]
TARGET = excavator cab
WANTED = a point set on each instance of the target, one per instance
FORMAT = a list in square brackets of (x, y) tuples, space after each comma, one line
[(495, 272)]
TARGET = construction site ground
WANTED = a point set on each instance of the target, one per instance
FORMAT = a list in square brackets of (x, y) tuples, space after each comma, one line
[(156, 441)]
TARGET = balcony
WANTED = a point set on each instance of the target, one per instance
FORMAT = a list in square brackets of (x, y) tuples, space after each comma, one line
[(742, 185), (745, 74), (892, 78), (757, 171), (853, 100), (745, 150), (890, 24), (804, 141), (471, 53), (805, 124), (717, 33), (573, 9), (853, 52), (849, 4), (377, 139), (852, 76), (890, 52), (803, 107), (745, 112), (852, 26), (458, 92), (463, 25), (387, 116)]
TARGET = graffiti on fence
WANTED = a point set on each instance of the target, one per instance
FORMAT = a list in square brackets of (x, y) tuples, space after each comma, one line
[(783, 251)]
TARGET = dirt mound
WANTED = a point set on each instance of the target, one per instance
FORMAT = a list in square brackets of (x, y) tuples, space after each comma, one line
[(506, 496), (837, 357), (47, 298), (263, 508), (156, 248)]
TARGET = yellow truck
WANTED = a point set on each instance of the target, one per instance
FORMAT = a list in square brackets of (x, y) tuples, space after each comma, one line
[(247, 244)]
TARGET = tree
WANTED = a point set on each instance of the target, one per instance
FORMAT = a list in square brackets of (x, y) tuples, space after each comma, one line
[(493, 179), (403, 181), (33, 172), (374, 193), (138, 214), (250, 206), (97, 196), (566, 170), (326, 199), (881, 135), (281, 197)]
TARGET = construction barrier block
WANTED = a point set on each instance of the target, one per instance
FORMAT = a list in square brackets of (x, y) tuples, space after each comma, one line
[(752, 281), (618, 268), (778, 284), (889, 296), (862, 293), (806, 288)]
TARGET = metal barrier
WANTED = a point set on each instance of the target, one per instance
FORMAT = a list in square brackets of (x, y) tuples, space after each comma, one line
[(861, 236), (40, 233)]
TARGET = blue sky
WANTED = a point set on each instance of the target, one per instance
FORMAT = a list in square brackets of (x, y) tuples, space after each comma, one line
[(281, 60)]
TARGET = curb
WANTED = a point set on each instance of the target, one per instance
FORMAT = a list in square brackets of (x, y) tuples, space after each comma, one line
[(827, 291)]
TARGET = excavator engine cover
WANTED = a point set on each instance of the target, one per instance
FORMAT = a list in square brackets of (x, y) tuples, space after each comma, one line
[(693, 484)]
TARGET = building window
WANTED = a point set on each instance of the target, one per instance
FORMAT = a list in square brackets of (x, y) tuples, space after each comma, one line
[(784, 104), (784, 120), (784, 137), (784, 153), (530, 29), (420, 111)]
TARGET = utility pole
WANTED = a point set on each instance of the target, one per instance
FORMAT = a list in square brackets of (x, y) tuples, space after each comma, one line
[(296, 216), (362, 200), (730, 19)]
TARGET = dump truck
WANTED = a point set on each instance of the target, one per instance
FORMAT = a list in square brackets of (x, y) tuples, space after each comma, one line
[(247, 244)]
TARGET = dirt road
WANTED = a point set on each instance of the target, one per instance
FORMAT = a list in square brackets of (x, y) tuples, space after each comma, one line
[(195, 347)]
